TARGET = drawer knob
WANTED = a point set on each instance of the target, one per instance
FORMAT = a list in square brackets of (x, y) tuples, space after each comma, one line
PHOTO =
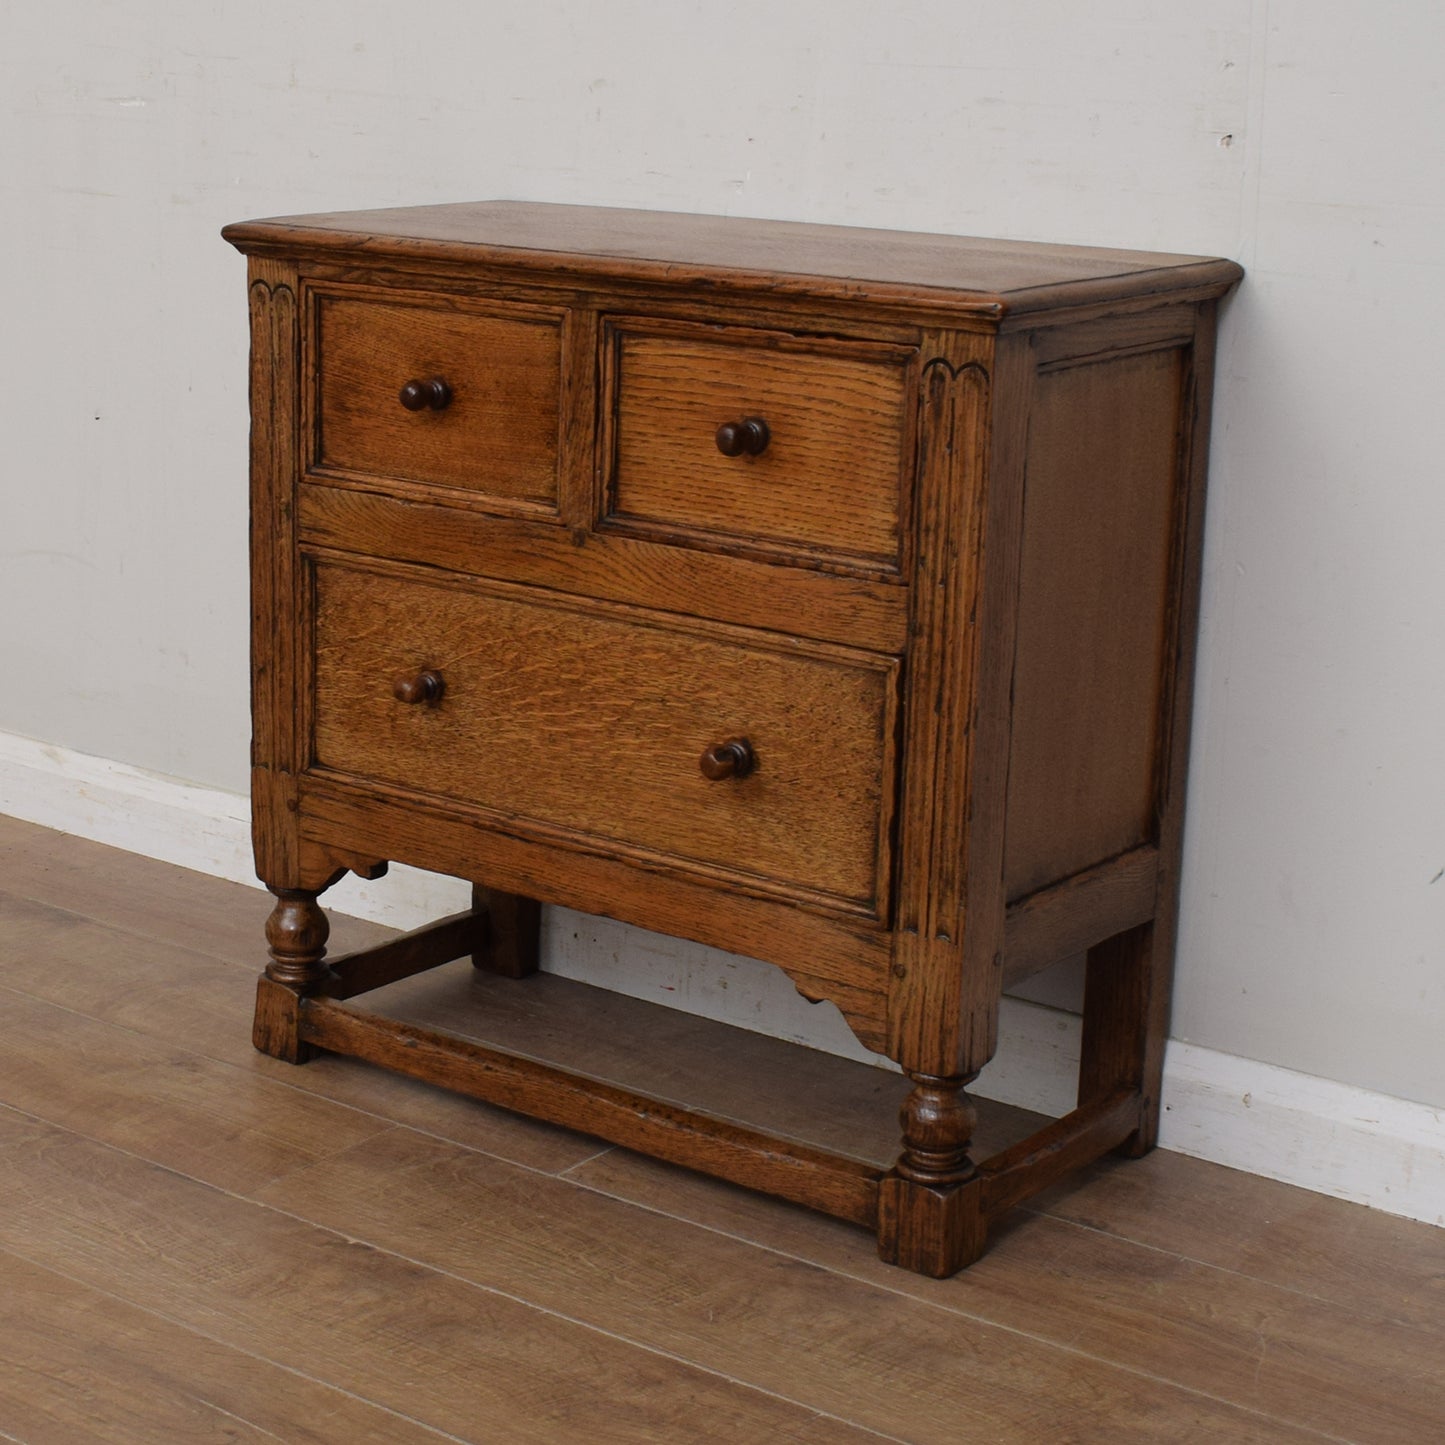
[(425, 686), (748, 437), (421, 395), (732, 759)]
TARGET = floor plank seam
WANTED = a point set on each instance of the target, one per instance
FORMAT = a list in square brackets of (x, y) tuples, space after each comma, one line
[(224, 1344), (299, 1087), (239, 1419), (904, 1293), (252, 964), (280, 1080), (576, 1321), (180, 1051), (213, 997), (477, 1148), (590, 1159), (492, 1290), (1223, 1269)]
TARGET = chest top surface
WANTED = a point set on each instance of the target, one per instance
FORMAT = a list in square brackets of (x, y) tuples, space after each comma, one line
[(968, 274)]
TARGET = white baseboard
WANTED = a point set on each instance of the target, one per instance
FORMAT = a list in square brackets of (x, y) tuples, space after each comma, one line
[(1322, 1135), (147, 813)]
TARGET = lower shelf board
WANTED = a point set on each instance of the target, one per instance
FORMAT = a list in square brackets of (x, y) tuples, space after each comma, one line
[(693, 1092), (815, 1099), (837, 1185)]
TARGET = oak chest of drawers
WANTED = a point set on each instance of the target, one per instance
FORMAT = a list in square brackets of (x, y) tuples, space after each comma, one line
[(827, 596)]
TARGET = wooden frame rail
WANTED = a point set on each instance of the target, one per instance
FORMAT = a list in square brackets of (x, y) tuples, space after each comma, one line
[(833, 1183)]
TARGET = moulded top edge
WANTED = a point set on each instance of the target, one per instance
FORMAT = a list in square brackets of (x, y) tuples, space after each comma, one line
[(984, 277)]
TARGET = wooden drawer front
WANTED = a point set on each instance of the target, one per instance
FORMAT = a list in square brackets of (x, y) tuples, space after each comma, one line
[(830, 479), (591, 722), (496, 435)]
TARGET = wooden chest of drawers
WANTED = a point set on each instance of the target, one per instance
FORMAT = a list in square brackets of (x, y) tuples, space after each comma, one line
[(827, 596)]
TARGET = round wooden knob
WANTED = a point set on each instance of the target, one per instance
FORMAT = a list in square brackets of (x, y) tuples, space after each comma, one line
[(434, 395), (425, 686), (732, 759), (746, 438)]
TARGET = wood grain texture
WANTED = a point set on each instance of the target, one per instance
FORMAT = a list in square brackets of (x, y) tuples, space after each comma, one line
[(652, 574), (1078, 1138), (840, 958), (436, 1348), (561, 705), (1343, 1255), (233, 1129), (1176, 707), (831, 478), (159, 993), (277, 665), (829, 1103), (1098, 532), (861, 1351), (621, 1116), (276, 1027), (595, 722), (1164, 1298), (1304, 1366), (972, 277), (511, 933), (1117, 981), (930, 1231), (943, 1000), (79, 1365), (1065, 919), (499, 433), (407, 954)]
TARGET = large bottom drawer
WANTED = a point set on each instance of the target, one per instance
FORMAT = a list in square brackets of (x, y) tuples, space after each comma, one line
[(603, 724)]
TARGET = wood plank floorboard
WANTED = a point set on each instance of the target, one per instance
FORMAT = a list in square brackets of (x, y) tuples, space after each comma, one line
[(1336, 1368), (466, 1361), (155, 900), (197, 1242), (168, 993), (865, 1353), (78, 1365), (1326, 1248), (232, 1129)]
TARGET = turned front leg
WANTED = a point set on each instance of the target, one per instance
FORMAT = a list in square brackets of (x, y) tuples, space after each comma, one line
[(296, 933), (929, 1217)]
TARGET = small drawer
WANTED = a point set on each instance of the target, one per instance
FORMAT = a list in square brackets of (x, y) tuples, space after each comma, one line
[(741, 756), (774, 442), (423, 390)]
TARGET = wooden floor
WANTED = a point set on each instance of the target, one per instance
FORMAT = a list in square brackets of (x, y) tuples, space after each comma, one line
[(199, 1243)]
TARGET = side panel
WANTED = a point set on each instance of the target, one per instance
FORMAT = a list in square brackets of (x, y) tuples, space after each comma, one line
[(1102, 508)]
